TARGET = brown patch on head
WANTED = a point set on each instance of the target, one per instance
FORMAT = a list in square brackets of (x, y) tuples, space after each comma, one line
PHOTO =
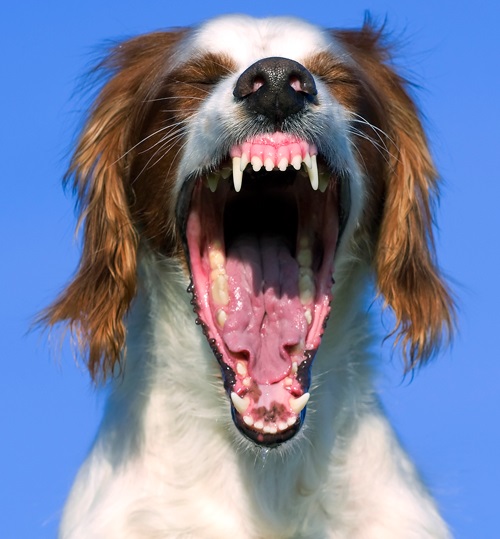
[(96, 301), (403, 187)]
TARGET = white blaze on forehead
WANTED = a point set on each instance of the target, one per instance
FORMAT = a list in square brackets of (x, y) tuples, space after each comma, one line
[(247, 40)]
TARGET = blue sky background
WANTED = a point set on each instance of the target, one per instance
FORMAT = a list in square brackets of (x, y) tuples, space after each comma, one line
[(447, 417)]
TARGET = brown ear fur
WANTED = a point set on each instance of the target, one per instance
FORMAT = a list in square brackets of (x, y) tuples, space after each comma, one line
[(96, 301), (404, 259)]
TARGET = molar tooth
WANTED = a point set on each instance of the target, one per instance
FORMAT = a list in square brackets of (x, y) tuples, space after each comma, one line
[(216, 258), (269, 164), (219, 289), (237, 174), (247, 381), (283, 164), (241, 404), (297, 162), (256, 163), (221, 317), (298, 404), (308, 316), (288, 381), (212, 181), (324, 180), (312, 172), (307, 289), (304, 257), (248, 420), (241, 368)]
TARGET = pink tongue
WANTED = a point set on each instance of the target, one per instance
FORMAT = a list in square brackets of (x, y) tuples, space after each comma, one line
[(265, 318)]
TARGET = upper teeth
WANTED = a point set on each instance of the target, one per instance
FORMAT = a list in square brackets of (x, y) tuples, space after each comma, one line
[(310, 161)]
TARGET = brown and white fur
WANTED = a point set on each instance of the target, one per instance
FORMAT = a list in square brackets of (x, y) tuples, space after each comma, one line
[(181, 452)]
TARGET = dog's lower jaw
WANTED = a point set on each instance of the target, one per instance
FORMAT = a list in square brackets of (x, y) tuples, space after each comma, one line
[(168, 461)]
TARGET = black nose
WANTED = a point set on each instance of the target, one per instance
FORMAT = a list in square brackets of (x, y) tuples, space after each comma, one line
[(276, 88)]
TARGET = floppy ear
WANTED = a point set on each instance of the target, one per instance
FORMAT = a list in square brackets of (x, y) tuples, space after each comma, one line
[(405, 262), (96, 301)]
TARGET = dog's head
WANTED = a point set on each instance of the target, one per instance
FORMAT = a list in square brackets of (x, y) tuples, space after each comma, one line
[(260, 154)]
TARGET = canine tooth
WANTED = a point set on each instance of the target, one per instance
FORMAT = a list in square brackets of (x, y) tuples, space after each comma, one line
[(324, 180), (221, 318), (269, 164), (308, 316), (298, 404), (256, 163), (241, 404), (237, 174), (297, 162), (248, 420), (291, 421), (244, 161), (312, 172), (259, 425), (241, 368), (212, 181), (283, 164)]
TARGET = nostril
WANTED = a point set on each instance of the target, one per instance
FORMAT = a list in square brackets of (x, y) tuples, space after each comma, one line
[(276, 88)]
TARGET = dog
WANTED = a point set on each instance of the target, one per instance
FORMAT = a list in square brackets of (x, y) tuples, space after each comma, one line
[(247, 188)]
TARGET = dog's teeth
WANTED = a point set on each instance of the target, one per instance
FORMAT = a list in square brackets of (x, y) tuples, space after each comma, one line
[(307, 289), (241, 368), (225, 172), (259, 425), (283, 164), (307, 160), (291, 421), (248, 420), (308, 316), (288, 381), (312, 172), (269, 164), (237, 174), (221, 318), (216, 257), (282, 425), (304, 257), (297, 405), (244, 161), (241, 404), (256, 163), (295, 367), (247, 382), (220, 293), (297, 162), (212, 181), (324, 180)]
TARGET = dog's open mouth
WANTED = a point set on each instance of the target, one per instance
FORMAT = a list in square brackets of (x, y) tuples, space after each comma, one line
[(261, 234)]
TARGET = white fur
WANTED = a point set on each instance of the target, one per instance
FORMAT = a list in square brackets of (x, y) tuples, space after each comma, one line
[(168, 461)]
